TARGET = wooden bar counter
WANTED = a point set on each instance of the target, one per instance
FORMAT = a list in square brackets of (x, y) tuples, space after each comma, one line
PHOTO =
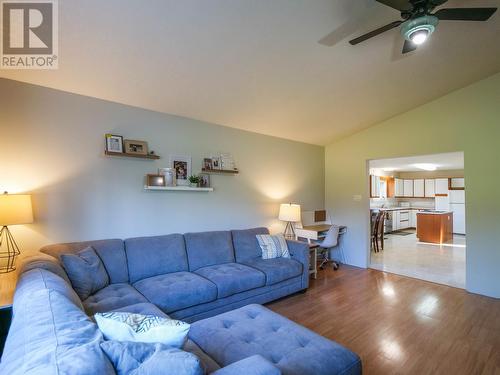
[(435, 227)]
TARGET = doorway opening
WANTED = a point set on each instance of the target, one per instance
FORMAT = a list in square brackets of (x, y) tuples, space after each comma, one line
[(417, 211)]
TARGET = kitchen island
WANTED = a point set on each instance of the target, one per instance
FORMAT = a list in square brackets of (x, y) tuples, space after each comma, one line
[(435, 226)]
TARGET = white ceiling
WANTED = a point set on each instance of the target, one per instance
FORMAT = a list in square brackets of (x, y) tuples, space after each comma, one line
[(447, 161), (257, 65)]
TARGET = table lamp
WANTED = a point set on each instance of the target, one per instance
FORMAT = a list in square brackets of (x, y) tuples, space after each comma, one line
[(291, 214), (14, 209)]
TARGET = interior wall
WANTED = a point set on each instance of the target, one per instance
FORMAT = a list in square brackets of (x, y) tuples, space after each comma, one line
[(465, 120), (53, 147)]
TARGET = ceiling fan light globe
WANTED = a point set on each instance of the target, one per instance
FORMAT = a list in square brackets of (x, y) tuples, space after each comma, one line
[(419, 37), (418, 30)]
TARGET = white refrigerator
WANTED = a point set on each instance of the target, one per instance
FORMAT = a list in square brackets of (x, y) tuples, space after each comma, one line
[(457, 205)]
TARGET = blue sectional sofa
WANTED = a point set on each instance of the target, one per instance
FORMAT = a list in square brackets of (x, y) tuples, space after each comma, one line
[(189, 277)]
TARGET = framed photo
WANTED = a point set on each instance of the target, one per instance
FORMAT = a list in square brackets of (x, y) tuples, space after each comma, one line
[(204, 180), (114, 143), (216, 162), (207, 164), (155, 180), (182, 167), (136, 147)]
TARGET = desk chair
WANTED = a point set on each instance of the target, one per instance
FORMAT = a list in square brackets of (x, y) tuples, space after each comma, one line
[(330, 241)]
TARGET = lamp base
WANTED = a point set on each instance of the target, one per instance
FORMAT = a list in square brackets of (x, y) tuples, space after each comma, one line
[(289, 232), (8, 251)]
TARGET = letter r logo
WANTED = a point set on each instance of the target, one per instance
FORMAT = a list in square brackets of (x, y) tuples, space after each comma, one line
[(27, 28)]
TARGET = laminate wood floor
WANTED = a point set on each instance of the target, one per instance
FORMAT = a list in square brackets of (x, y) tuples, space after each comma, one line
[(400, 325)]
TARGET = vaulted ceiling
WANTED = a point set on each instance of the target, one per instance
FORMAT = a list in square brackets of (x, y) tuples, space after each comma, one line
[(257, 65)]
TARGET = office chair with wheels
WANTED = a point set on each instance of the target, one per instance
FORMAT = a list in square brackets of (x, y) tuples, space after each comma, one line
[(331, 240)]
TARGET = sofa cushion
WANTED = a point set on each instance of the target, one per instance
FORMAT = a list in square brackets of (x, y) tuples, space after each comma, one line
[(135, 358), (144, 308), (86, 272), (277, 269), (209, 248), (111, 252), (253, 329), (53, 336), (125, 326), (153, 256), (113, 297), (245, 243), (254, 365), (175, 291), (232, 278)]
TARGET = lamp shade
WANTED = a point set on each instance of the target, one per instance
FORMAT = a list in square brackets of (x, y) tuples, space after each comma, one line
[(15, 209), (289, 212)]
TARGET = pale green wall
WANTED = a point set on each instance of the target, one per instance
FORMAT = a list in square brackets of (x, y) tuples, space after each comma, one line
[(466, 120), (52, 145)]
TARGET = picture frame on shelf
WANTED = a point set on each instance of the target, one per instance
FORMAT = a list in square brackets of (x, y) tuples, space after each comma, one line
[(155, 180), (136, 147), (204, 180), (208, 164), (182, 167), (114, 143), (215, 162)]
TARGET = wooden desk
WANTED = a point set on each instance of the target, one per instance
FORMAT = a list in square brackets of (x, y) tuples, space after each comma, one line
[(312, 232)]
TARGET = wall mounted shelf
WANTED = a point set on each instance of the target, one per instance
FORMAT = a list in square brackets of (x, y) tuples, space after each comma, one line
[(127, 155), (177, 188), (220, 171)]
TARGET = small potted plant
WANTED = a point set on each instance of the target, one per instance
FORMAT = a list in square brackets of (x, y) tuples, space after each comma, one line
[(194, 181)]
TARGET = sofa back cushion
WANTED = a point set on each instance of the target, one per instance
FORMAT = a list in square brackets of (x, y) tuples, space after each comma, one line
[(246, 246), (111, 252), (208, 248), (50, 334), (153, 256)]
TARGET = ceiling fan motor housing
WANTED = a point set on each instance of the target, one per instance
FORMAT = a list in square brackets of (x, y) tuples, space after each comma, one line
[(426, 23)]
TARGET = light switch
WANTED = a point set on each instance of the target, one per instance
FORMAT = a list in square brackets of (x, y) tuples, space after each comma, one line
[(356, 198)]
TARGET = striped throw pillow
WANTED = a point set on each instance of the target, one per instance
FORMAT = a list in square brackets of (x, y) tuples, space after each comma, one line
[(273, 246)]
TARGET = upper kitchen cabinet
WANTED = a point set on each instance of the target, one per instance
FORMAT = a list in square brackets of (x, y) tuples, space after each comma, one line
[(374, 186), (408, 188), (418, 188), (457, 183), (430, 188), (399, 187), (442, 186)]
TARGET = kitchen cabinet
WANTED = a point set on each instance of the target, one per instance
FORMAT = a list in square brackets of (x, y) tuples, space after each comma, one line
[(408, 188), (442, 186), (404, 219), (395, 220), (413, 218), (418, 188), (399, 188), (430, 188), (375, 186), (457, 183)]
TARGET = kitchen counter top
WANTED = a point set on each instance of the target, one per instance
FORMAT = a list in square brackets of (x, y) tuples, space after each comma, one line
[(433, 212)]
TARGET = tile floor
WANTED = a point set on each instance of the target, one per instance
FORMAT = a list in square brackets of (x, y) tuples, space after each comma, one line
[(404, 255)]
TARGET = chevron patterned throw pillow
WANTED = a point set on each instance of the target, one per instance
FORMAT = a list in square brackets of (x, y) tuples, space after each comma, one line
[(123, 326)]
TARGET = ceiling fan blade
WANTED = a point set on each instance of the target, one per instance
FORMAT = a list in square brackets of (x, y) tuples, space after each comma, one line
[(375, 32), (401, 5), (465, 14), (409, 47)]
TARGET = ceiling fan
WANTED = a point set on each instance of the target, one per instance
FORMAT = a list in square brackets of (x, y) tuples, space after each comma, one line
[(418, 22)]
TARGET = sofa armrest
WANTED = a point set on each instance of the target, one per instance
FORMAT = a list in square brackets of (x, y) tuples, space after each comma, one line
[(300, 252), (254, 365)]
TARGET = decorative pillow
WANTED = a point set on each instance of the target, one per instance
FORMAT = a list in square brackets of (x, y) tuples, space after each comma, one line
[(124, 326), (85, 271), (273, 246), (137, 358)]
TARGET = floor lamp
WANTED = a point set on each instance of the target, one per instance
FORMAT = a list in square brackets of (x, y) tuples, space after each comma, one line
[(14, 209)]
